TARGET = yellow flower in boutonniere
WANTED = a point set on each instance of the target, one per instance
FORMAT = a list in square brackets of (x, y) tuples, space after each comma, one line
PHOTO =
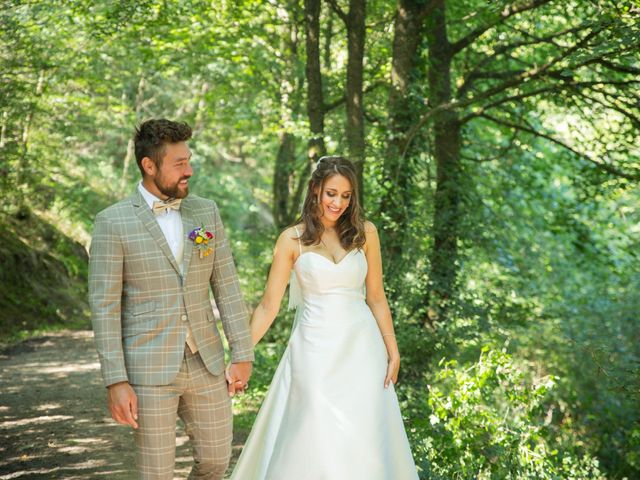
[(200, 238)]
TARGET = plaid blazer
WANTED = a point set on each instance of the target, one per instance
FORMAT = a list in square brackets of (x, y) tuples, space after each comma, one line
[(141, 304)]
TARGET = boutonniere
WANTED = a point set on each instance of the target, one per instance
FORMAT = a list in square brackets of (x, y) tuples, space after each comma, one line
[(201, 238)]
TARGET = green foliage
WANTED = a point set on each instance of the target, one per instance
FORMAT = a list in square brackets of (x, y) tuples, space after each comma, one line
[(486, 421), (43, 279)]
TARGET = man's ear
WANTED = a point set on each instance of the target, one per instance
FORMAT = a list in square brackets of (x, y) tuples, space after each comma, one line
[(149, 166)]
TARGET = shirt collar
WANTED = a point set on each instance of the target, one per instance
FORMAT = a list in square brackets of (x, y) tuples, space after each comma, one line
[(147, 195)]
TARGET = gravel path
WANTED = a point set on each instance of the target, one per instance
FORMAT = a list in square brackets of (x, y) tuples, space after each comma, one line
[(54, 421)]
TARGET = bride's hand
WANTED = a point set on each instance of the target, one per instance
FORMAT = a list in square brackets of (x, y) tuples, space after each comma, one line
[(393, 367)]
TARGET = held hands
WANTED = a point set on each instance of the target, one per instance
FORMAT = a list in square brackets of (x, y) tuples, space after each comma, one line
[(393, 367), (123, 404), (237, 375)]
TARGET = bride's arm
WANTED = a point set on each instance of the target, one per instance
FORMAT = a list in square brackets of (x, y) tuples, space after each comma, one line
[(266, 311), (377, 301)]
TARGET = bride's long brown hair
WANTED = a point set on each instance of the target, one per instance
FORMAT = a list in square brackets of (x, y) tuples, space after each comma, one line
[(350, 225)]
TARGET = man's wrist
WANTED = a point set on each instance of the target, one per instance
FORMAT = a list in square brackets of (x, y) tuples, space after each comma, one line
[(118, 383)]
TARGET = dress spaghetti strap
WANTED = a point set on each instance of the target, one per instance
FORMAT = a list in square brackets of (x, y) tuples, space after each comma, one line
[(295, 292), (295, 227)]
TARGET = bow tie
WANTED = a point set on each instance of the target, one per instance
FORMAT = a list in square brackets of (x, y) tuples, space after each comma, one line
[(170, 204)]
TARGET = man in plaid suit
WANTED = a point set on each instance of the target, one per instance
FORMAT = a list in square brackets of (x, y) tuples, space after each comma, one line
[(153, 257)]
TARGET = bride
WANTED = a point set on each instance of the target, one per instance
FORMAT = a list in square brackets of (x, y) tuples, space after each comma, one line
[(331, 412)]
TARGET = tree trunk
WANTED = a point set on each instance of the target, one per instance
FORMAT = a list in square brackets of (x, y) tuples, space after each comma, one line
[(201, 108), (395, 200), (355, 106), (23, 169), (315, 98), (285, 159), (444, 265), (284, 174), (328, 35), (3, 130), (130, 146)]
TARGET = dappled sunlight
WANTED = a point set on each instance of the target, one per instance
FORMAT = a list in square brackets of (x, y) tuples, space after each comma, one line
[(181, 440), (36, 420), (48, 406), (54, 417), (55, 367)]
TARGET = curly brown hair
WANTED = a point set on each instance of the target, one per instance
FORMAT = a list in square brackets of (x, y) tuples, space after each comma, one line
[(350, 226), (151, 137)]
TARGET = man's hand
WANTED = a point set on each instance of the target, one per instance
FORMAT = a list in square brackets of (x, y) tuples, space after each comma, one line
[(237, 375), (123, 404)]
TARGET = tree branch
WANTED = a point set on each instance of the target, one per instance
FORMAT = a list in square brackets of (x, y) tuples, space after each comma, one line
[(603, 166), (336, 103), (508, 12), (501, 49), (338, 11), (549, 89), (617, 67)]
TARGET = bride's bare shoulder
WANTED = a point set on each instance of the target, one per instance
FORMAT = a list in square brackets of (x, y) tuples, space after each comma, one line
[(289, 236), (369, 227)]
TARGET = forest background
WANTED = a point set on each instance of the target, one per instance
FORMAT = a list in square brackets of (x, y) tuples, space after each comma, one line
[(497, 145)]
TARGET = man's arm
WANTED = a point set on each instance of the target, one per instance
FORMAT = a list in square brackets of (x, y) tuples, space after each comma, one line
[(105, 296), (226, 290)]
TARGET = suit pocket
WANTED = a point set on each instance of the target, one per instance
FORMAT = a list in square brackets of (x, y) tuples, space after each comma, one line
[(144, 308)]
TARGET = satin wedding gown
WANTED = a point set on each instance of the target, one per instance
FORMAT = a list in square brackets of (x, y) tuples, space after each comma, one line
[(327, 415)]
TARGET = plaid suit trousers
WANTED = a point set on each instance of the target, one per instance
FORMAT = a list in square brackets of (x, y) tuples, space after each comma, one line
[(201, 400)]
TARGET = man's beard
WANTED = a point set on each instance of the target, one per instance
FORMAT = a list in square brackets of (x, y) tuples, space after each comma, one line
[(171, 191)]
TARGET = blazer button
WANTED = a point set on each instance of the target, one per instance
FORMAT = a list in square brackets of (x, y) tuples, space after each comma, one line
[(184, 318)]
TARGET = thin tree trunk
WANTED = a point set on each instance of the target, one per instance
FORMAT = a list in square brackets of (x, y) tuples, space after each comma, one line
[(130, 146), (408, 35), (328, 35), (22, 175), (3, 130), (200, 108), (444, 266), (29, 118), (315, 98), (285, 158), (284, 206), (355, 106)]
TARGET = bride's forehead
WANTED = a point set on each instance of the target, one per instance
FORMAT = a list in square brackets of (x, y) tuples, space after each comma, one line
[(337, 182)]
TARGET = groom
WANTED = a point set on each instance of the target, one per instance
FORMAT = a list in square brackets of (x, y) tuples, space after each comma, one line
[(153, 257)]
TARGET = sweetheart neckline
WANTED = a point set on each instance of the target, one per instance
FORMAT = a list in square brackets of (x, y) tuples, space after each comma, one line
[(326, 258)]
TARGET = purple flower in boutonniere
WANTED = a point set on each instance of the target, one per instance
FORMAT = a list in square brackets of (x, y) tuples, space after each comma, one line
[(201, 238)]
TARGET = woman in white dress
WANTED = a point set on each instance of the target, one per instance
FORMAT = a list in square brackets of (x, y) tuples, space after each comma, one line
[(331, 412)]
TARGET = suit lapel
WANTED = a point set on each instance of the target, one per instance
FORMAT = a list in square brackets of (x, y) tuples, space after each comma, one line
[(188, 224), (148, 219)]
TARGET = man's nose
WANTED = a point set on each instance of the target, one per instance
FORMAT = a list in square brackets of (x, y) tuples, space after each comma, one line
[(188, 171)]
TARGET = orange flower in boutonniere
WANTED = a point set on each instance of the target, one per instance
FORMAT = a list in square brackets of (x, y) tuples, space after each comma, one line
[(201, 238)]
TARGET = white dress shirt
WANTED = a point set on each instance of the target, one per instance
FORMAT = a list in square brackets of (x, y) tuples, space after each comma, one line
[(170, 222)]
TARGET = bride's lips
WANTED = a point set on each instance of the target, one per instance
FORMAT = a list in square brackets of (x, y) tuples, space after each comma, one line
[(334, 211)]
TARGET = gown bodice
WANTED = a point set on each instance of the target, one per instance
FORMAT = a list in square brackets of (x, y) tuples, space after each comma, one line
[(319, 276)]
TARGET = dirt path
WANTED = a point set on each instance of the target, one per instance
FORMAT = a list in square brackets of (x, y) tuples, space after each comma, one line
[(54, 422)]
